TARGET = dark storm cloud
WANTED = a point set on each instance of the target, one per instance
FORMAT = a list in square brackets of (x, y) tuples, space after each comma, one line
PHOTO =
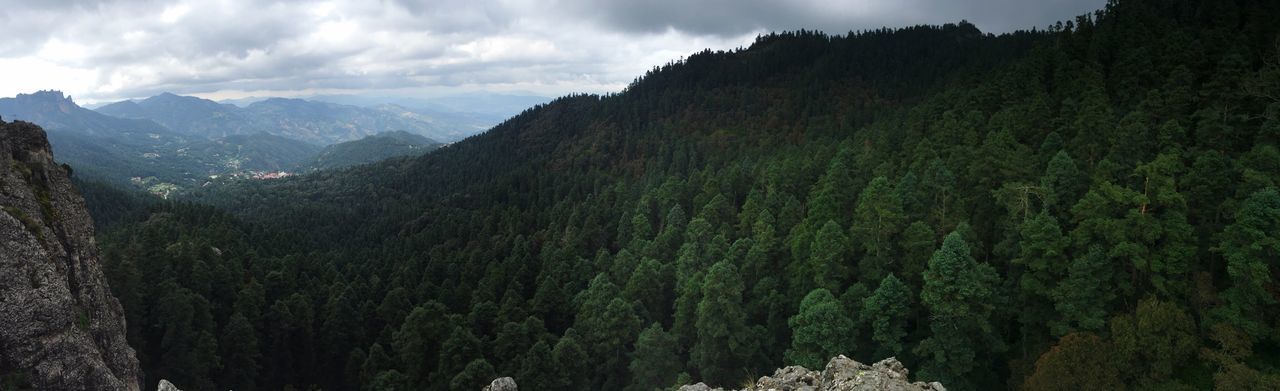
[(112, 49), (734, 17)]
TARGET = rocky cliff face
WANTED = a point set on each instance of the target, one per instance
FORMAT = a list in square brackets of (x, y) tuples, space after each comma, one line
[(60, 328), (841, 374)]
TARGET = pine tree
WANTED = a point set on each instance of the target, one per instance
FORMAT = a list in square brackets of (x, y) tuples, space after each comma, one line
[(664, 246), (1063, 184), (918, 244), (1083, 297), (571, 361), (538, 369), (461, 350), (1100, 221), (1160, 228), (239, 354), (478, 373), (960, 295), (1154, 341), (761, 259), (648, 286), (878, 217), (820, 331), (608, 325), (1044, 259), (940, 183), (1093, 122), (887, 311), (418, 340), (515, 339), (374, 363), (831, 199), (656, 361), (724, 342), (829, 261), (1251, 247)]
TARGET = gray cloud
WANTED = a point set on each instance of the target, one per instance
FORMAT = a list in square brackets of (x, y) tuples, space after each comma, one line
[(734, 17), (114, 49)]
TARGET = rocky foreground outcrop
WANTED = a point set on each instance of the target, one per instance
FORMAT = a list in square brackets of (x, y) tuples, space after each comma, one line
[(60, 328), (501, 384), (841, 374)]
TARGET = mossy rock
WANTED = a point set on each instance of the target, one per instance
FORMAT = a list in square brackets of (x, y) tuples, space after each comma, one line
[(27, 221)]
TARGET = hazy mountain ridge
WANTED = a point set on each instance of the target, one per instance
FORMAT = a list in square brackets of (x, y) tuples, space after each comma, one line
[(499, 105), (171, 143), (370, 149), (142, 153), (58, 112), (313, 121), (185, 114)]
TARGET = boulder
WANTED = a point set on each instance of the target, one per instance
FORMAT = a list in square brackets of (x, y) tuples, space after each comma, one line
[(165, 385), (501, 384), (840, 374)]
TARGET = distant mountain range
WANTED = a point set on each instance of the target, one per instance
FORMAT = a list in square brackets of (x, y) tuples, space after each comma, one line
[(184, 114), (168, 143), (216, 139), (502, 106), (312, 121), (92, 142)]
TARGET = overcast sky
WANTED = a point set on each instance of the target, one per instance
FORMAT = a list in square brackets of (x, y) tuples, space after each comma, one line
[(105, 50)]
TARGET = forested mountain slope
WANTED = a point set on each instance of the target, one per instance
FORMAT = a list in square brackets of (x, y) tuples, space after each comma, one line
[(185, 114), (997, 211), (378, 147)]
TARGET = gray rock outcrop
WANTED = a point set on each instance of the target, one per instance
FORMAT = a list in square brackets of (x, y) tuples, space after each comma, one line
[(840, 374), (165, 385), (501, 384), (60, 328)]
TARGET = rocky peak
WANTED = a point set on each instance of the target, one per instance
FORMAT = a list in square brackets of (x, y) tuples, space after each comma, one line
[(46, 96), (47, 100), (840, 374), (60, 328)]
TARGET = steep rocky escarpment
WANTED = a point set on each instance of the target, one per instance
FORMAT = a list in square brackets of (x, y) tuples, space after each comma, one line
[(60, 328)]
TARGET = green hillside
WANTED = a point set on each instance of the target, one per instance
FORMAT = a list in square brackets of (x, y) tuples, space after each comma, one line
[(1091, 206), (370, 149)]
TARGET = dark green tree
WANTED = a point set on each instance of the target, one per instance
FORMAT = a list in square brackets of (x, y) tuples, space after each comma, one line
[(830, 259), (538, 370), (478, 373), (656, 361), (878, 217), (960, 294), (821, 330), (888, 311), (1251, 246), (723, 341), (1063, 184), (239, 354), (418, 340), (1043, 260)]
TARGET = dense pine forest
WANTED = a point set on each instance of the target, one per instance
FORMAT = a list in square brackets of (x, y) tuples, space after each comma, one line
[(1089, 206)]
